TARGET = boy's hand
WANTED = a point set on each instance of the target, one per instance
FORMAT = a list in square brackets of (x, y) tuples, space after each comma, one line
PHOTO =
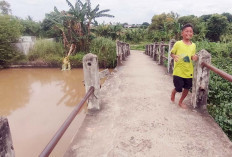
[(194, 58), (176, 58)]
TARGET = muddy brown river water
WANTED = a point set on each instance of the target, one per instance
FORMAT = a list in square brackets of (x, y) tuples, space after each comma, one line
[(36, 103)]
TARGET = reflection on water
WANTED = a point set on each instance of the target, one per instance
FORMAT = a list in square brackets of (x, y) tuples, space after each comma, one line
[(36, 103)]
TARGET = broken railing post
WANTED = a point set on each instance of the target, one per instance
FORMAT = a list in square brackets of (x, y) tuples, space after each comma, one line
[(170, 59), (91, 78), (6, 144), (201, 81)]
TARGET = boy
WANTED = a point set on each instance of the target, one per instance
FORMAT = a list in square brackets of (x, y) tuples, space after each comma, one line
[(183, 52)]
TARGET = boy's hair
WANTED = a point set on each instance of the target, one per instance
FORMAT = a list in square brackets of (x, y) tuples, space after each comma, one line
[(187, 25)]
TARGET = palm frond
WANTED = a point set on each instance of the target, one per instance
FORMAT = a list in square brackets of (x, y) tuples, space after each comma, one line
[(70, 4)]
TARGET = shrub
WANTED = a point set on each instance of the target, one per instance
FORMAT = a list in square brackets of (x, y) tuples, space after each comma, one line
[(10, 30), (45, 50), (105, 49), (76, 61)]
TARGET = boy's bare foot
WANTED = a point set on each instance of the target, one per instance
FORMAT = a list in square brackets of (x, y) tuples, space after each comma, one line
[(173, 95), (184, 106)]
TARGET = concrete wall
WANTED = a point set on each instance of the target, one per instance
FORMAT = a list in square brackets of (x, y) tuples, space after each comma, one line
[(25, 43)]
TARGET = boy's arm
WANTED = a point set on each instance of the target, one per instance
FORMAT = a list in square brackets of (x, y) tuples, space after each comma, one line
[(175, 57), (194, 57)]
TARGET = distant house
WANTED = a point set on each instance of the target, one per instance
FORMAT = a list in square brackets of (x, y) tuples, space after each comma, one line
[(127, 26)]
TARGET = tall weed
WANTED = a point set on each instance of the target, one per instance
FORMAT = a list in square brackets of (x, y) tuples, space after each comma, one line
[(105, 49)]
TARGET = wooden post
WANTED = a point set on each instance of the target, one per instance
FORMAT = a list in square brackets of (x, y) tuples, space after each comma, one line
[(161, 53), (6, 144), (201, 81), (91, 78), (170, 59)]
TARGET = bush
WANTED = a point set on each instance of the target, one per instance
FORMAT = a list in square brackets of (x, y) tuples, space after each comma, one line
[(105, 49), (220, 96), (10, 30), (76, 61), (47, 51)]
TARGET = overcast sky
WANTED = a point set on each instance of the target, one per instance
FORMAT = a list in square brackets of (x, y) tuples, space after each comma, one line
[(130, 11)]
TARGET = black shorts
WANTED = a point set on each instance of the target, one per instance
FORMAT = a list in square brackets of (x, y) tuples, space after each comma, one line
[(180, 83)]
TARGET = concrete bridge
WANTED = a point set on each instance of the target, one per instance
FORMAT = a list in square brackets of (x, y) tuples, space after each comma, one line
[(138, 119)]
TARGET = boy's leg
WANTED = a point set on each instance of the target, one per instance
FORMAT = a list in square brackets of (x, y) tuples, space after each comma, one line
[(178, 83), (183, 96), (173, 95), (187, 86)]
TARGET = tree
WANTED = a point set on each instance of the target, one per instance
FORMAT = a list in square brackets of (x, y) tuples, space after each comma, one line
[(75, 23), (204, 18), (47, 28), (30, 27), (228, 15), (10, 30), (145, 25), (5, 7), (216, 25), (165, 24)]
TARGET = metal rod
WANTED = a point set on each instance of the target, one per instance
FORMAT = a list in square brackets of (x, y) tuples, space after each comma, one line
[(218, 71), (48, 149)]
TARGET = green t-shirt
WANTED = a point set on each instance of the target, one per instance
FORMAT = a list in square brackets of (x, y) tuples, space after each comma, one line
[(184, 66)]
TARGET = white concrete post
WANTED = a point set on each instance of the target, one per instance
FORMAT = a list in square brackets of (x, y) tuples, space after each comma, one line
[(201, 81), (170, 59), (6, 144), (91, 78)]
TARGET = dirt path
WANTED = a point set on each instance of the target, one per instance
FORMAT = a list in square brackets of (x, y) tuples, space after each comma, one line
[(137, 119)]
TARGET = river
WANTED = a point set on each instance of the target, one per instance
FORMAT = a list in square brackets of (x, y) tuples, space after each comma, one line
[(36, 103)]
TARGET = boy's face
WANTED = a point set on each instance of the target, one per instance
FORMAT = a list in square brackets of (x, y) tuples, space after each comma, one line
[(187, 33)]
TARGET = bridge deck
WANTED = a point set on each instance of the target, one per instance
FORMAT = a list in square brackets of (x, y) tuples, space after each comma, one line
[(138, 119)]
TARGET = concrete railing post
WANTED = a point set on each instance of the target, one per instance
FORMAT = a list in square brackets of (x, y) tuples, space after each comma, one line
[(161, 53), (6, 144), (170, 59), (148, 50), (123, 51), (119, 53), (91, 78), (128, 49), (156, 47), (152, 47), (201, 81)]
